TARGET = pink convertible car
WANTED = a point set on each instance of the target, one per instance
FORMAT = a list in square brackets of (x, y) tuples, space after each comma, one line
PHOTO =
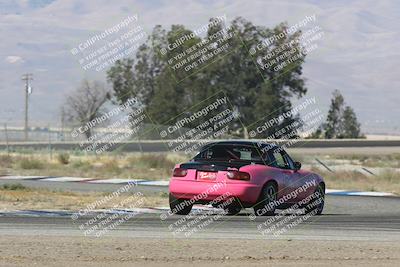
[(243, 174)]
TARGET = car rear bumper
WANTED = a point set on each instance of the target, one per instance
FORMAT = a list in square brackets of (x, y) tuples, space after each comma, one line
[(200, 190)]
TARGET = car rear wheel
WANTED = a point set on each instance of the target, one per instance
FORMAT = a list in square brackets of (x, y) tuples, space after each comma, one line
[(179, 206), (233, 209), (316, 205), (265, 205)]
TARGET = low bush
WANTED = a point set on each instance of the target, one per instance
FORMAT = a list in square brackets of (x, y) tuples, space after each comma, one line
[(30, 163), (156, 161), (63, 158), (14, 187)]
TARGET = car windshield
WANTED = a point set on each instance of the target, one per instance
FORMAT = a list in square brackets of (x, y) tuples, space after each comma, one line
[(230, 153)]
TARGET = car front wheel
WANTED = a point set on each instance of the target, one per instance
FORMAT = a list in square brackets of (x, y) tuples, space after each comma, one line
[(316, 205)]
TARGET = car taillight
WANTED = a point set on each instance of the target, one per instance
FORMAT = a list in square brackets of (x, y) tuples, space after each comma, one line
[(179, 172), (237, 175)]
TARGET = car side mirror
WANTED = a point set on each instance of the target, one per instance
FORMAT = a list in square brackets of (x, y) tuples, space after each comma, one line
[(297, 165)]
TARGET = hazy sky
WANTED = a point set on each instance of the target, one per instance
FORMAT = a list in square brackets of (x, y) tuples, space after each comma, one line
[(359, 53)]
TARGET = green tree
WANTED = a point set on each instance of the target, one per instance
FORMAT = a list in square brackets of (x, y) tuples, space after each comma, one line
[(341, 121), (333, 125), (138, 77), (351, 127), (254, 94)]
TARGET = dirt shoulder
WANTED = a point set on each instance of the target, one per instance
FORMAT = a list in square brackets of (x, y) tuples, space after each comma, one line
[(15, 196), (108, 251)]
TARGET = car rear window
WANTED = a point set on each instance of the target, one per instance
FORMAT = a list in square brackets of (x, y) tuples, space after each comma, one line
[(231, 152)]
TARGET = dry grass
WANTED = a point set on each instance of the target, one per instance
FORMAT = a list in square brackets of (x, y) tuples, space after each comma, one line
[(18, 197), (385, 182), (147, 166), (365, 160), (158, 166)]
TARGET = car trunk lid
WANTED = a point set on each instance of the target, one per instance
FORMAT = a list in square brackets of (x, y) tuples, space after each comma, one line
[(210, 171)]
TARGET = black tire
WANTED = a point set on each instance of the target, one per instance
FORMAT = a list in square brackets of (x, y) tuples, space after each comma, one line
[(267, 197), (316, 205), (179, 206)]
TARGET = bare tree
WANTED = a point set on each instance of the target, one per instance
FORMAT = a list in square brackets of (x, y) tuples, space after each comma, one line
[(86, 104)]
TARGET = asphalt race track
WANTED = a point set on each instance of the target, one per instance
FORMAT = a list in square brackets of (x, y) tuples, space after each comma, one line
[(344, 218), (353, 231), (325, 227)]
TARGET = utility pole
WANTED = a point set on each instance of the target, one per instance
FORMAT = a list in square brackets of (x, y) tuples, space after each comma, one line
[(6, 133), (28, 90), (62, 123), (50, 151)]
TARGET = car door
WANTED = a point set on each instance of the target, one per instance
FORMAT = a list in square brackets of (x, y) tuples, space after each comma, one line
[(286, 170), (298, 179)]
